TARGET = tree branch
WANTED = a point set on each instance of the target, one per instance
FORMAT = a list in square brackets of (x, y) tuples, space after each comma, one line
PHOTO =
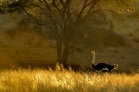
[(79, 49), (81, 11), (32, 17), (74, 51)]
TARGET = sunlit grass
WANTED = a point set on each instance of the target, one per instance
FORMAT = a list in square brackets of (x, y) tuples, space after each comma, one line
[(41, 80)]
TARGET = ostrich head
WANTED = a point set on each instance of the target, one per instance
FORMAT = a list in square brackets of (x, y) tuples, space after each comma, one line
[(93, 53)]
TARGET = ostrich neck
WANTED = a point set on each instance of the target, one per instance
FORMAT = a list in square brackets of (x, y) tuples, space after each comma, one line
[(93, 60)]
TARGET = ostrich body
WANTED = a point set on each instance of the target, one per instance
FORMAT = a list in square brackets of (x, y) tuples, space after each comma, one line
[(102, 66)]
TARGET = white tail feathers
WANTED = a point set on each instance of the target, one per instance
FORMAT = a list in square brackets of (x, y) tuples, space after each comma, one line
[(116, 66)]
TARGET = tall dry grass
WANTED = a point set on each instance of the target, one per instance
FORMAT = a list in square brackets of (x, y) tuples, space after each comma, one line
[(60, 80)]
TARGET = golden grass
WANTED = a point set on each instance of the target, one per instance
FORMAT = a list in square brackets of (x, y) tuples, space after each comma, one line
[(60, 80)]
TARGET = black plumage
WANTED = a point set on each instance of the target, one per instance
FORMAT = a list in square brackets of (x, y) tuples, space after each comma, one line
[(102, 66)]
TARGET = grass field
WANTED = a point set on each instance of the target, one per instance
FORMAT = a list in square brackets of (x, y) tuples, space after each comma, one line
[(60, 80)]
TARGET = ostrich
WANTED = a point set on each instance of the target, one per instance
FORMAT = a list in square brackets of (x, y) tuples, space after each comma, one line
[(103, 66)]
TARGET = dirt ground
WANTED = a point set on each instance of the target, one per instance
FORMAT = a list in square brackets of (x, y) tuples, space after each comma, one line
[(127, 57)]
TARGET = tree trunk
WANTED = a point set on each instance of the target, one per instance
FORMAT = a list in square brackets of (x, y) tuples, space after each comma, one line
[(62, 52), (65, 55), (58, 45)]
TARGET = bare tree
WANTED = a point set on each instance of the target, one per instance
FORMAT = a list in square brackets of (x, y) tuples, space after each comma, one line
[(62, 18)]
